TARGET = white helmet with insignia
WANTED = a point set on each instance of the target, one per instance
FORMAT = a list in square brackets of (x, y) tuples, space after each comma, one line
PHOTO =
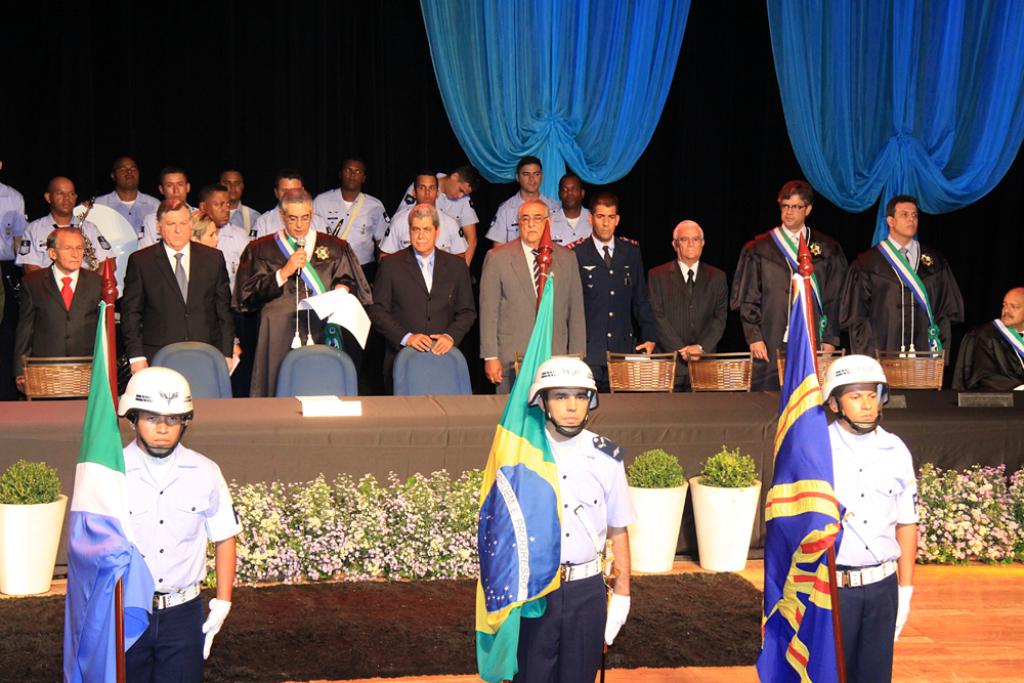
[(563, 372), (161, 391), (855, 369)]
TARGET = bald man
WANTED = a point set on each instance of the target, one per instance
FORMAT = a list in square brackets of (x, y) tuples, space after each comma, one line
[(991, 356), (60, 195), (689, 300)]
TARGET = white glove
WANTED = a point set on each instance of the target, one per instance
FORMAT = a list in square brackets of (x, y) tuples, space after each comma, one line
[(906, 592), (618, 610), (218, 613)]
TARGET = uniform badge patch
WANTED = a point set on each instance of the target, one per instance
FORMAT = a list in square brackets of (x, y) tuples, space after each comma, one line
[(608, 447), (104, 244), (24, 247)]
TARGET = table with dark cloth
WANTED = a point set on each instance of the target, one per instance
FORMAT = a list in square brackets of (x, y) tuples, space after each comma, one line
[(267, 438)]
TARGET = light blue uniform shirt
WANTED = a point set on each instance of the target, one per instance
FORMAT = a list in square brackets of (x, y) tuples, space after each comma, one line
[(232, 241), (150, 232), (173, 521), (449, 237), (270, 222), (595, 483), (564, 233), (371, 224), (12, 221), (505, 226), (32, 250), (133, 213), (461, 209), (874, 480), (242, 214)]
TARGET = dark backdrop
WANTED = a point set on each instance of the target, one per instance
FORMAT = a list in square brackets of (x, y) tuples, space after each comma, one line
[(303, 84)]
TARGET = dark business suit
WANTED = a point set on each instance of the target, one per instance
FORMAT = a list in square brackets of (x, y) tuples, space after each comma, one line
[(684, 318), (153, 313), (46, 327), (402, 304)]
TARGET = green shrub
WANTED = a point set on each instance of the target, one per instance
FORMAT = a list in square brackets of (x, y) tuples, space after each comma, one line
[(29, 483), (655, 469), (729, 470)]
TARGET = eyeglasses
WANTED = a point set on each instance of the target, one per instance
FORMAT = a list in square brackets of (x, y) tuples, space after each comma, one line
[(169, 420), (72, 250), (532, 219), (792, 207), (688, 240)]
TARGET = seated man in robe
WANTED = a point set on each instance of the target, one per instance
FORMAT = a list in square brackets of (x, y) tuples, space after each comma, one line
[(991, 356), (279, 270)]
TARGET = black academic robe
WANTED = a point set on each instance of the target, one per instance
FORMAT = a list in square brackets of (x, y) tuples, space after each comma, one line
[(987, 362), (256, 288), (881, 313), (761, 294)]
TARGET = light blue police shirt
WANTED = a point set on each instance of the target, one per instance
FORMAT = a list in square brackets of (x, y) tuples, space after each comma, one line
[(874, 480), (505, 226), (594, 482), (173, 521), (371, 224)]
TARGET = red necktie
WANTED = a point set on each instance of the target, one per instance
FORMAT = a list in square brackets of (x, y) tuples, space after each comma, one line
[(66, 293)]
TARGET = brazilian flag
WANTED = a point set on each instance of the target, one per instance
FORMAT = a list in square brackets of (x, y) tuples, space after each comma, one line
[(520, 527)]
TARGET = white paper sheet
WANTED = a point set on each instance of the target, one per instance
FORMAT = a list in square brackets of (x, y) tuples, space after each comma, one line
[(341, 308), (329, 406)]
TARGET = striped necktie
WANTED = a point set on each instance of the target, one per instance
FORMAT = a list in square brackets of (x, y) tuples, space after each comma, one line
[(536, 271)]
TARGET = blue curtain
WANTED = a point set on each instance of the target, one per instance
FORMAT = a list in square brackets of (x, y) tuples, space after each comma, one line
[(577, 82), (884, 97)]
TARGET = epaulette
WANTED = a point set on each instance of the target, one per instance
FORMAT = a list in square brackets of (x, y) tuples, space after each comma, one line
[(577, 243), (630, 240), (608, 447)]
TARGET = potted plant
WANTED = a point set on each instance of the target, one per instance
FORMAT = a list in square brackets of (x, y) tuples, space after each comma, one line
[(657, 485), (725, 499), (31, 516)]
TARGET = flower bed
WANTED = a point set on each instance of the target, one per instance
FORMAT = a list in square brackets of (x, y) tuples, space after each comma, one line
[(425, 527), (422, 528), (972, 514)]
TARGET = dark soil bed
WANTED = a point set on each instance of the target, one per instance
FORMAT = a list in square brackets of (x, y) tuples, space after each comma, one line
[(362, 630)]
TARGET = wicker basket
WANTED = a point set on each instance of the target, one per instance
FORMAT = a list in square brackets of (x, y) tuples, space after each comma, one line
[(913, 371), (825, 359), (721, 372), (638, 372), (57, 377)]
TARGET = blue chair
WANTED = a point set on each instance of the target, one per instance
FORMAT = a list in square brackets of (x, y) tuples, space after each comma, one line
[(418, 373), (317, 371), (203, 366)]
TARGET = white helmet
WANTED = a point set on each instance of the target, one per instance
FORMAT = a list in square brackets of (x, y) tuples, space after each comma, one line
[(161, 391), (563, 372), (855, 369)]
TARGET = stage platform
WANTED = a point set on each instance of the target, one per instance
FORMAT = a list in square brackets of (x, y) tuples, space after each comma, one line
[(267, 439)]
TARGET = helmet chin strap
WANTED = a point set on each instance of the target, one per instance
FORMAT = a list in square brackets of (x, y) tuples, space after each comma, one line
[(860, 427), (153, 450), (565, 431)]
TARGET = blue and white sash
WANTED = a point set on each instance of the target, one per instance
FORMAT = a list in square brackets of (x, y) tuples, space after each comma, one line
[(789, 250), (287, 245), (1012, 336), (909, 277)]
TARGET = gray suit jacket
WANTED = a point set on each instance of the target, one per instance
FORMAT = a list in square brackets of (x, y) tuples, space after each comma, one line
[(508, 306)]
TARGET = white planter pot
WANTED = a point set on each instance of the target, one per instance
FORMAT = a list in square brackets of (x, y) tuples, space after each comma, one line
[(654, 534), (725, 521), (29, 536)]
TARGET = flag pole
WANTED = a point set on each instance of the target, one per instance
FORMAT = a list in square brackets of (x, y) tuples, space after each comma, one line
[(806, 270), (110, 298), (545, 257)]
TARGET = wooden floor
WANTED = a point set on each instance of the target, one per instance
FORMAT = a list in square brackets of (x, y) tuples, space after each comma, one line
[(966, 626)]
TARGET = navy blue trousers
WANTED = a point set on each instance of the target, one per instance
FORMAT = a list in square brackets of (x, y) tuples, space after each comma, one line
[(868, 617), (564, 645), (171, 649)]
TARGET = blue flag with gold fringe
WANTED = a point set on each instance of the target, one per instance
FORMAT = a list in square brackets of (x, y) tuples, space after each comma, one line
[(518, 537), (802, 516)]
